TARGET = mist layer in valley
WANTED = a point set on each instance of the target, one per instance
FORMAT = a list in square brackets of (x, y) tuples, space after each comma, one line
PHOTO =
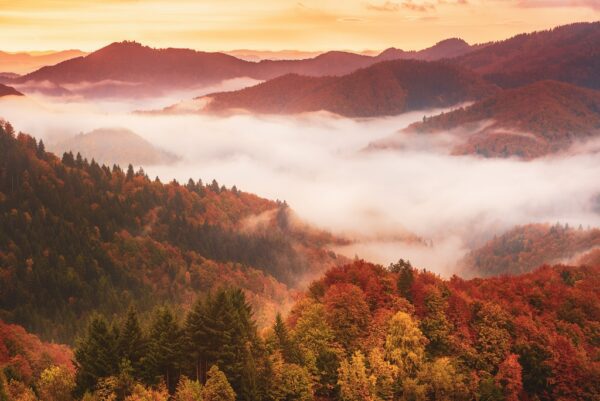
[(416, 201)]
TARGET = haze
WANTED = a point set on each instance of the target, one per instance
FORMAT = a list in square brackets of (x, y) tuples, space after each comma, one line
[(276, 24)]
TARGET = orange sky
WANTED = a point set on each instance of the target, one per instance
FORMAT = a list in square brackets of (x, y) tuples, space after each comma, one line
[(277, 24)]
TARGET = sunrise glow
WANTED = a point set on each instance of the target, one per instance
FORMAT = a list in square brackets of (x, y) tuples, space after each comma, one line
[(277, 24)]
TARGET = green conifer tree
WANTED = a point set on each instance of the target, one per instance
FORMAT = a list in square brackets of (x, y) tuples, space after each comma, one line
[(95, 355)]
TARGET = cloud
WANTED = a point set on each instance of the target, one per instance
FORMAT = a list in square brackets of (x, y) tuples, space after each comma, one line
[(417, 202), (593, 4), (391, 6), (388, 6), (351, 19), (453, 2)]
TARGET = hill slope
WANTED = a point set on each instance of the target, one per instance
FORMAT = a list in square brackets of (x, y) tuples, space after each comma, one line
[(535, 120), (445, 49), (128, 68), (522, 249), (78, 237), (337, 63), (115, 146), (569, 53), (8, 91), (26, 356), (528, 337), (387, 88)]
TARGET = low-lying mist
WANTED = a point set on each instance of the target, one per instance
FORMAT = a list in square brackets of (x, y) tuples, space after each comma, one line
[(416, 202)]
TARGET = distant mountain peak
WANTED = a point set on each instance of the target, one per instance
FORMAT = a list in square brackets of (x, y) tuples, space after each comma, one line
[(391, 52), (452, 41), (124, 46), (383, 89)]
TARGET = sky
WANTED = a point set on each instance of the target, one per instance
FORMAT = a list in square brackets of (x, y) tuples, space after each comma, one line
[(311, 25)]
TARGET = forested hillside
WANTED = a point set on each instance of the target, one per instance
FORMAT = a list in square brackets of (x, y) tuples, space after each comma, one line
[(362, 332), (524, 248), (568, 53), (511, 123), (384, 89), (78, 237), (23, 356)]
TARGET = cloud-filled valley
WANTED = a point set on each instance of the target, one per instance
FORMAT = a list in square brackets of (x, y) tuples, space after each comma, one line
[(417, 202)]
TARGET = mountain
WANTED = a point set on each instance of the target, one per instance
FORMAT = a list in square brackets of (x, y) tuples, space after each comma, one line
[(9, 91), (531, 121), (331, 63), (8, 75), (79, 237), (524, 248), (258, 55), (445, 49), (23, 63), (387, 88), (338, 63), (130, 69), (115, 146), (569, 53)]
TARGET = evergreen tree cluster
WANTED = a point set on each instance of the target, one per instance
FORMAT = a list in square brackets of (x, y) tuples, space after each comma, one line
[(217, 340)]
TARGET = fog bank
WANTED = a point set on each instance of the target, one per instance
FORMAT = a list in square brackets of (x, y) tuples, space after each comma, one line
[(417, 202)]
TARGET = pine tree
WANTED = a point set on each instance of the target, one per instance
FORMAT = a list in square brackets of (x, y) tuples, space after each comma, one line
[(405, 278), (41, 150), (284, 342), (238, 332), (132, 344), (249, 390), (214, 186), (165, 349), (130, 173), (197, 340), (220, 330), (95, 355)]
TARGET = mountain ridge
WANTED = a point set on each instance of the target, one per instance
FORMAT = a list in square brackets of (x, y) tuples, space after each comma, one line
[(535, 120), (159, 69), (524, 248), (568, 53), (383, 89)]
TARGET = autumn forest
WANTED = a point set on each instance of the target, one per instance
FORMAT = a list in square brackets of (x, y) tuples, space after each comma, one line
[(185, 222)]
